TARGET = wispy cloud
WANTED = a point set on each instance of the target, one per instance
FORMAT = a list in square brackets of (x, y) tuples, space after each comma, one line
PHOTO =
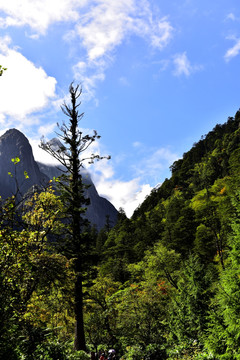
[(183, 65), (103, 27), (124, 81), (231, 16), (234, 50), (39, 14), (146, 173), (154, 163)]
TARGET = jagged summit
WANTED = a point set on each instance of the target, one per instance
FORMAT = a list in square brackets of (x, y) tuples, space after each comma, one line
[(13, 143), (55, 144)]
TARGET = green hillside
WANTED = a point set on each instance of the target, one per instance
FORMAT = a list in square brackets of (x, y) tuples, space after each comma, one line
[(174, 255)]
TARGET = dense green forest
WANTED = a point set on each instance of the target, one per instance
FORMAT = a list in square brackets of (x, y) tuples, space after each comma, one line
[(164, 284)]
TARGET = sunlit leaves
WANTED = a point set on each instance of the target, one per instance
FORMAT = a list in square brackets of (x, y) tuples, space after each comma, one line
[(43, 213), (2, 69), (27, 264), (26, 175), (15, 160)]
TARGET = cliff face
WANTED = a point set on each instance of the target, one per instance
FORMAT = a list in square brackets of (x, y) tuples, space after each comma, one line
[(99, 208), (15, 144)]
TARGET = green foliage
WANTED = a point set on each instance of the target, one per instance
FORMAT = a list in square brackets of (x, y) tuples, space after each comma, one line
[(101, 312), (15, 160), (225, 321), (28, 267), (2, 69), (53, 350), (189, 308), (161, 285), (179, 238), (133, 353)]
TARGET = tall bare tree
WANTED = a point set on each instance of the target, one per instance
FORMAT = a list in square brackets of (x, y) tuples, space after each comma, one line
[(70, 154)]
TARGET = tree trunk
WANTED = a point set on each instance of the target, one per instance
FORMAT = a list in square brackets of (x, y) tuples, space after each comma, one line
[(79, 340)]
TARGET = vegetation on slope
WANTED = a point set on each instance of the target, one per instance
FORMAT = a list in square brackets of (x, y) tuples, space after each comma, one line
[(163, 285)]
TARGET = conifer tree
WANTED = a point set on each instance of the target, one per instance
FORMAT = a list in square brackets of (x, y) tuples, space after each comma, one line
[(189, 308), (69, 154), (224, 323)]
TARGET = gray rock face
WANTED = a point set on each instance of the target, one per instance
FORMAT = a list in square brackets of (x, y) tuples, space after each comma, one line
[(99, 208), (14, 144)]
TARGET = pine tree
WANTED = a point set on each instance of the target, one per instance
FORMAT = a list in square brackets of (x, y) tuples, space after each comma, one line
[(69, 154), (189, 308), (224, 322)]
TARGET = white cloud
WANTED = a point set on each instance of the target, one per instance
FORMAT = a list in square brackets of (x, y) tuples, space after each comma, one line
[(89, 76), (122, 194), (130, 194), (101, 24), (162, 34), (105, 25), (233, 51), (183, 65), (39, 14), (24, 88), (41, 155), (46, 129)]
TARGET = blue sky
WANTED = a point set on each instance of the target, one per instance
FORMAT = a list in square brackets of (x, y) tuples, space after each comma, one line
[(156, 76)]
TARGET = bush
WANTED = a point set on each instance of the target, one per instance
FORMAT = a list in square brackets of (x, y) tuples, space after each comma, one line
[(134, 352), (50, 351), (79, 355), (58, 351)]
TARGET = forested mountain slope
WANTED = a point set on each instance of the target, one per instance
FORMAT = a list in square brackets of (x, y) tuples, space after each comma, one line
[(217, 153), (178, 256), (191, 210)]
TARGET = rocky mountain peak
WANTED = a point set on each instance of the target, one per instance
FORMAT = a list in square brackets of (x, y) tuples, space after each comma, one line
[(15, 144)]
